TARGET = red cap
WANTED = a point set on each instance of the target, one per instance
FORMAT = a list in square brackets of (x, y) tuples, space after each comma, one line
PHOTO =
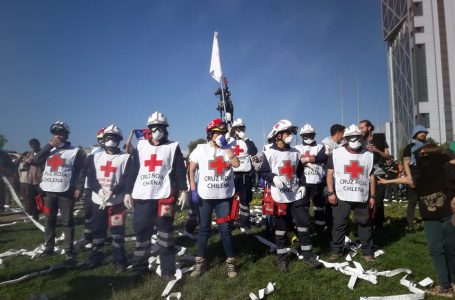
[(217, 125)]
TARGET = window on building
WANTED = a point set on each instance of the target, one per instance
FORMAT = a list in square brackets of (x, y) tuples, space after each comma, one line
[(420, 73), (425, 120), (418, 29), (417, 8)]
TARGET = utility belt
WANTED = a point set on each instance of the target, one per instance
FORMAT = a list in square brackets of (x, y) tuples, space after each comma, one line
[(270, 207), (234, 211)]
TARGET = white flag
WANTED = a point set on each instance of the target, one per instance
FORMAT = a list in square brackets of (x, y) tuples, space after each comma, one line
[(215, 64)]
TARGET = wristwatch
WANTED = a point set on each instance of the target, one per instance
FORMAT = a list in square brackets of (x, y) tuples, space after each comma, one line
[(330, 193), (373, 196)]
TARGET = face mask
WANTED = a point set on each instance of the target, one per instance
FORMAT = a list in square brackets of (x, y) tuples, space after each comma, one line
[(355, 145), (308, 141), (240, 134), (111, 144), (157, 135), (288, 139), (60, 145)]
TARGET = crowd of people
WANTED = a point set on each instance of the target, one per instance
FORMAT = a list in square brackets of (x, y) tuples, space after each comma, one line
[(350, 170)]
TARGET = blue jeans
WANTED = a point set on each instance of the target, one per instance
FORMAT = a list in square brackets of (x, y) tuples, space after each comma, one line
[(222, 208)]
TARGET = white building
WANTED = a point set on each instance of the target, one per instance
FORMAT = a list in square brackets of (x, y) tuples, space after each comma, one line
[(420, 36)]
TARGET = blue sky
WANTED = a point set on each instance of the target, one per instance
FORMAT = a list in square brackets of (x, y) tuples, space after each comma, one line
[(93, 63)]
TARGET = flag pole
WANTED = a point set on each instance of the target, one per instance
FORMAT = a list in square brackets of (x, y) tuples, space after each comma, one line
[(223, 85)]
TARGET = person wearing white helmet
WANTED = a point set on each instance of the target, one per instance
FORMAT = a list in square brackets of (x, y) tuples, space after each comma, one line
[(244, 149), (313, 158), (213, 192), (107, 179), (63, 181), (86, 196), (351, 186), (157, 179), (282, 168)]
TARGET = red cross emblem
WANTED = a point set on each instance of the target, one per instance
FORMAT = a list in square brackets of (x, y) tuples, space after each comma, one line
[(238, 150), (219, 165), (108, 168), (153, 162), (354, 169), (287, 169), (55, 162), (307, 154)]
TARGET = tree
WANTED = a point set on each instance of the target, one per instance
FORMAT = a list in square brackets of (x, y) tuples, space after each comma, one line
[(3, 141), (192, 145)]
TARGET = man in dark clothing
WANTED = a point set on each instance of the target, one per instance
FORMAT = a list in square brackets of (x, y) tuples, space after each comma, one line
[(419, 138), (63, 182), (391, 172), (377, 144), (34, 178)]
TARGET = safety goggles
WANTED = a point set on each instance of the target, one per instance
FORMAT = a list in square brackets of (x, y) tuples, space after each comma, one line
[(113, 138), (155, 129), (355, 138), (240, 128), (308, 136)]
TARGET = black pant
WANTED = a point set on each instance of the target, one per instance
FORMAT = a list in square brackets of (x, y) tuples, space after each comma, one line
[(191, 222), (243, 185), (413, 198), (341, 213), (100, 224), (145, 218), (378, 220), (87, 200), (296, 212), (64, 201), (315, 193), (30, 192)]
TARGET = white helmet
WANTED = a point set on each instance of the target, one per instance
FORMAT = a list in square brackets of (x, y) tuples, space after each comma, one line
[(238, 123), (112, 130), (157, 118), (282, 125), (59, 126), (352, 131), (307, 128)]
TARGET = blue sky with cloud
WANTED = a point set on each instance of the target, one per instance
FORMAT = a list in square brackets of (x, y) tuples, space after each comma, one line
[(93, 63)]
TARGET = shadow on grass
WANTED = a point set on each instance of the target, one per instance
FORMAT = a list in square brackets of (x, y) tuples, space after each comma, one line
[(96, 286)]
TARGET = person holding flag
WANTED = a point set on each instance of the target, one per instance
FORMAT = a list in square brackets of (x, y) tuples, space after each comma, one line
[(107, 179), (156, 180), (213, 191), (282, 168)]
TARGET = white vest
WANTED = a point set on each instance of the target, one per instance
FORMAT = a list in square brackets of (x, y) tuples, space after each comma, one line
[(314, 173), (216, 178), (352, 174), (240, 149), (153, 180), (109, 168), (58, 170), (284, 164), (95, 150)]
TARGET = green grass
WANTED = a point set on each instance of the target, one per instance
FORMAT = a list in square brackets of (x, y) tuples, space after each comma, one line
[(256, 267)]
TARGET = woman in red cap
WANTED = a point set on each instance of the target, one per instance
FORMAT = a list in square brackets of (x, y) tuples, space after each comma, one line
[(213, 191)]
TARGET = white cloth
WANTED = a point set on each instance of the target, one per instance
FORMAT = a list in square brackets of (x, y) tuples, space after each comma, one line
[(109, 169), (153, 180), (284, 164), (352, 174), (216, 178), (314, 172), (58, 170)]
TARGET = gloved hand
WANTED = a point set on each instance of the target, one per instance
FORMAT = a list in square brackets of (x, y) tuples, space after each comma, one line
[(102, 193), (105, 200), (301, 192), (194, 197), (278, 182), (242, 135), (222, 142), (182, 199), (128, 201)]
